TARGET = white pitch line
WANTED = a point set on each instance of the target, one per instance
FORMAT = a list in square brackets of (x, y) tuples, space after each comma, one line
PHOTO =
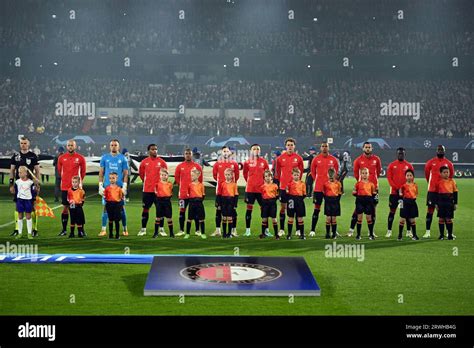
[(54, 208)]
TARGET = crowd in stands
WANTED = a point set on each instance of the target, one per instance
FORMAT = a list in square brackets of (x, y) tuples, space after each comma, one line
[(331, 108), (244, 27)]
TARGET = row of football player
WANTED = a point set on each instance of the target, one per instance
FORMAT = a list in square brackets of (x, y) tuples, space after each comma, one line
[(72, 163), (227, 198), (283, 168)]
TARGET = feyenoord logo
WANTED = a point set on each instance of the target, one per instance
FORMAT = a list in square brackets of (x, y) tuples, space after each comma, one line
[(231, 273)]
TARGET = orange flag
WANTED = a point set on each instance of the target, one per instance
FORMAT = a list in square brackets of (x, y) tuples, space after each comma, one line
[(42, 209)]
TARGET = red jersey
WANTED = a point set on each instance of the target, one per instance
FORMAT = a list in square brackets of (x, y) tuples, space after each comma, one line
[(163, 189), (396, 174), (296, 188), (319, 170), (432, 173), (332, 188), (365, 188), (76, 196), (182, 177), (113, 193), (253, 173), (284, 165), (150, 172), (269, 191), (69, 166), (196, 190), (221, 165), (372, 163), (409, 191), (227, 189)]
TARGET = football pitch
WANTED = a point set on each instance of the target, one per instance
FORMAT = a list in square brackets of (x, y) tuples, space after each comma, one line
[(425, 277)]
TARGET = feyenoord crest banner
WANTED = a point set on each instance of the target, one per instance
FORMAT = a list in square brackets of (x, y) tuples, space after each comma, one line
[(230, 276)]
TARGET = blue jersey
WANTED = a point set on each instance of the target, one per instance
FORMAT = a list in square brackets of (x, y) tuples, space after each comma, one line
[(113, 164)]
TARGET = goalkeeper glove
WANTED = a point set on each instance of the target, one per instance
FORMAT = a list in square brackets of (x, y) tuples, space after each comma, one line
[(124, 188), (101, 188)]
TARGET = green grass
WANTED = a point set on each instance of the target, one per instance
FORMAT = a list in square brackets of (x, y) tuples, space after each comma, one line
[(431, 279)]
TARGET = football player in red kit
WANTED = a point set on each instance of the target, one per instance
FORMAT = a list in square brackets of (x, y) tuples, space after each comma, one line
[(253, 171), (69, 165), (218, 170), (374, 165), (149, 172), (182, 178), (283, 173), (396, 176), (319, 172), (432, 175)]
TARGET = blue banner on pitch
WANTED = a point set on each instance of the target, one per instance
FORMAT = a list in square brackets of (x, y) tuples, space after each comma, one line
[(230, 276), (77, 258), (81, 258)]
